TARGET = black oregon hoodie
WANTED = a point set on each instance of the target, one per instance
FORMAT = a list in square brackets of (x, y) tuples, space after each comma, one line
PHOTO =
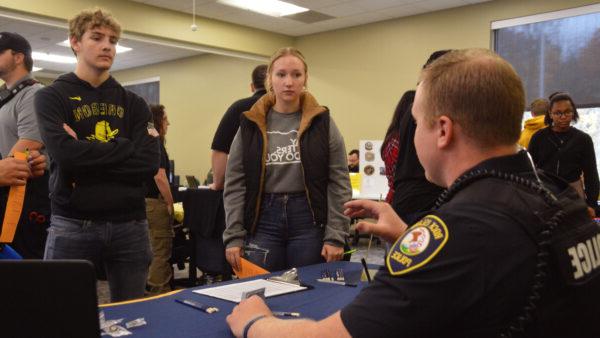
[(98, 176)]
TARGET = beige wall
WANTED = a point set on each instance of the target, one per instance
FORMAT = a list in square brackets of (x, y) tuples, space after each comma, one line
[(360, 73), (147, 20), (196, 92)]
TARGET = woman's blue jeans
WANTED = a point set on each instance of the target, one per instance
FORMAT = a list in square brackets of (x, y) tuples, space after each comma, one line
[(286, 228)]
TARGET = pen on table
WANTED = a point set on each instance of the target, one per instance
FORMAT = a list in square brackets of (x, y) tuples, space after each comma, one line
[(197, 305), (286, 314), (364, 263)]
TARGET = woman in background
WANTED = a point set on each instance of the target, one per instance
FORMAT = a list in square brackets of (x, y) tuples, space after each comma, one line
[(287, 178), (159, 211), (391, 142), (567, 151)]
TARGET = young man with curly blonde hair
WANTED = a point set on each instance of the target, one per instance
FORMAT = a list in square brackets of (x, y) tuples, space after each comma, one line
[(102, 147)]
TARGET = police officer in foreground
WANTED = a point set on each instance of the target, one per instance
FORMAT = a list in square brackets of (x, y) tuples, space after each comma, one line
[(506, 252)]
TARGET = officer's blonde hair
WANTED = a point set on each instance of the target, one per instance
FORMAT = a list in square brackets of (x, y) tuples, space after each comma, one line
[(480, 91)]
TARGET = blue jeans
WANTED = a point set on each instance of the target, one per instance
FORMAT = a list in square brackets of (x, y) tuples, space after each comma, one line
[(122, 247), (287, 229)]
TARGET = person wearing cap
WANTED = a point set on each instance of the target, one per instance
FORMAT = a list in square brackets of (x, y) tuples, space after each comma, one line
[(19, 133)]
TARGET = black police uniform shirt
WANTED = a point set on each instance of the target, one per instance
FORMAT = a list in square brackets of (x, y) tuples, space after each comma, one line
[(466, 269)]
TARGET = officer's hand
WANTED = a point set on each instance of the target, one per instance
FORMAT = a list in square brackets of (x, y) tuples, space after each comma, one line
[(332, 253), (389, 226), (37, 163), (13, 171), (233, 255), (244, 312)]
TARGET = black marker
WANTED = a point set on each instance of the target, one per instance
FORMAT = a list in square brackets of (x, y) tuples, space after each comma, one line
[(364, 263)]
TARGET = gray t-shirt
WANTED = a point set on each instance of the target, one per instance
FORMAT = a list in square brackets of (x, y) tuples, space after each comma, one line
[(18, 119), (283, 166)]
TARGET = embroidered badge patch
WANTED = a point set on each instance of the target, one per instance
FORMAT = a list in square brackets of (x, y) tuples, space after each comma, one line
[(417, 246)]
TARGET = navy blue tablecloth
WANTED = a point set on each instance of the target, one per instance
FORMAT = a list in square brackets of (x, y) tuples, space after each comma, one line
[(166, 318)]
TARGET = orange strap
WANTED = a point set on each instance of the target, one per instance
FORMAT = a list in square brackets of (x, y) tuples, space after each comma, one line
[(14, 207)]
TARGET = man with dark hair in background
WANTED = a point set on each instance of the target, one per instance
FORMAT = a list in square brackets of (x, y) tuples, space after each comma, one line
[(19, 132), (353, 160), (229, 125), (539, 108)]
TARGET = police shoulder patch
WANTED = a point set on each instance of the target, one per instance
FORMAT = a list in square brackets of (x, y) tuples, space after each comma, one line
[(420, 244)]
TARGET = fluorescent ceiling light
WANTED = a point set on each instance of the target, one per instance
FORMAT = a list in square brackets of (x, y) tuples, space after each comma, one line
[(35, 69), (120, 49), (268, 7), (38, 56)]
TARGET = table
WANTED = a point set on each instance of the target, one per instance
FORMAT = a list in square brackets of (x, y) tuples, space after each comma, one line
[(166, 318)]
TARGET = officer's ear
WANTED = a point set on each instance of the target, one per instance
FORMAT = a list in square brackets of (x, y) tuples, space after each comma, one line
[(444, 127)]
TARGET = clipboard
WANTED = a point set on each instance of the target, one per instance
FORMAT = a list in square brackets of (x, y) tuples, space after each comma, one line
[(14, 207), (233, 292)]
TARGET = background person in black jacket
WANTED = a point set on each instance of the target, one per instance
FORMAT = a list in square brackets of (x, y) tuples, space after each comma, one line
[(567, 151), (229, 125), (413, 195), (102, 146)]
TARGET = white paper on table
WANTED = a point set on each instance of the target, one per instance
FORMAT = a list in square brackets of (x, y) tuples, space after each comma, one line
[(233, 292)]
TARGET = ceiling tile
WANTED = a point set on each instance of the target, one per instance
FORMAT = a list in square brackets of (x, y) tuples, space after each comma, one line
[(362, 12), (315, 4), (213, 8), (435, 5), (373, 5), (341, 10)]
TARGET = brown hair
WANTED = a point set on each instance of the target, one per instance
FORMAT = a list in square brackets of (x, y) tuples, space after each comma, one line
[(285, 51), (259, 74), (158, 115), (90, 19), (478, 90), (539, 107)]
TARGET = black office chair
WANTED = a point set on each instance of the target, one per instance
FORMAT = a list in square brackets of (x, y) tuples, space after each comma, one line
[(204, 216)]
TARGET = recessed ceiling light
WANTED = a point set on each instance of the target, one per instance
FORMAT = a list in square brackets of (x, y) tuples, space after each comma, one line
[(35, 69), (120, 49), (268, 7), (38, 56)]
